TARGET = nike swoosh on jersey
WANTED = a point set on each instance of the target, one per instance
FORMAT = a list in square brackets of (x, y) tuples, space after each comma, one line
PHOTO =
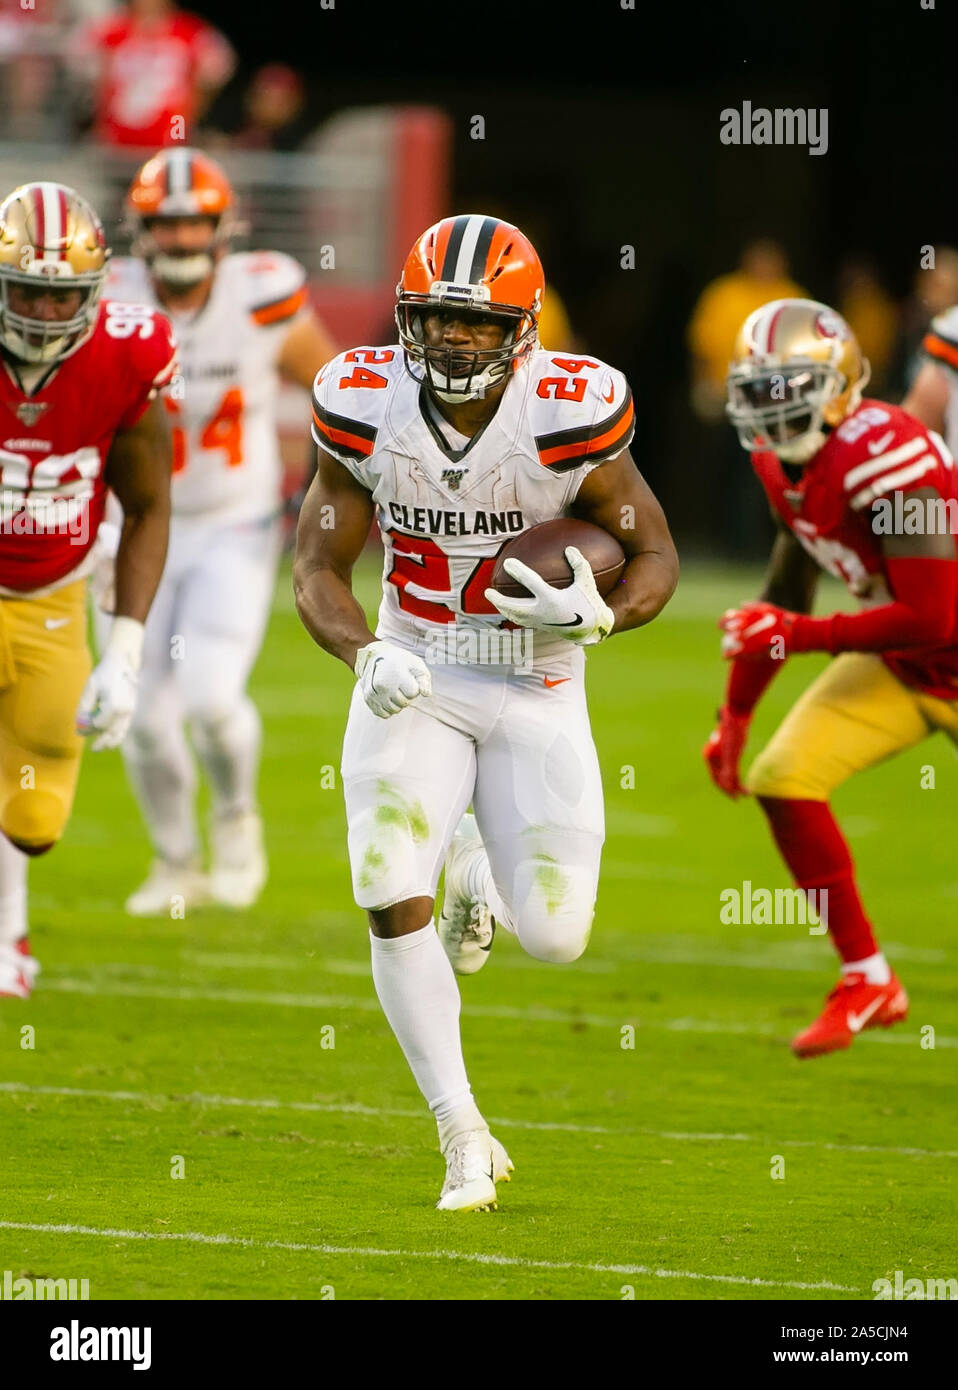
[(573, 622), (881, 444), (856, 1022), (611, 396), (561, 681), (51, 623)]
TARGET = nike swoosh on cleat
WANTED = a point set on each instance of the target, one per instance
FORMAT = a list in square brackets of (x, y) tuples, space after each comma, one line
[(856, 1022), (573, 622), (551, 684)]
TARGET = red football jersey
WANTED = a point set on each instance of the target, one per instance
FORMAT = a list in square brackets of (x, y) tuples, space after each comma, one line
[(54, 443), (151, 72), (844, 501)]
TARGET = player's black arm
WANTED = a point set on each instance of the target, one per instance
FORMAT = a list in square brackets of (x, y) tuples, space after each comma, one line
[(333, 525), (138, 469), (792, 575), (617, 498)]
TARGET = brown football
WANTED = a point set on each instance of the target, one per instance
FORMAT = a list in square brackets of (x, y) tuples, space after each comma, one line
[(542, 548)]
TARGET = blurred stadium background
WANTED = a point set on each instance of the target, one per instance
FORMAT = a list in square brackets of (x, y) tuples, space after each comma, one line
[(354, 126)]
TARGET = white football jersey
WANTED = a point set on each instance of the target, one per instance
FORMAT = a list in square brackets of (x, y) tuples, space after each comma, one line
[(444, 511), (226, 459), (941, 345)]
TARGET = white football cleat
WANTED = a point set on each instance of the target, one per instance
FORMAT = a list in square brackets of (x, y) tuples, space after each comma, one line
[(475, 1162), (239, 868), (167, 886), (466, 925), (18, 970)]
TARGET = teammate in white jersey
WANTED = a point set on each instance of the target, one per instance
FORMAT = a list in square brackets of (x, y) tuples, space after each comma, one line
[(242, 322), (933, 397), (457, 438)]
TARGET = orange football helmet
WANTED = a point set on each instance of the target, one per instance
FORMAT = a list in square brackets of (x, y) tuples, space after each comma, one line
[(796, 371), (180, 182), (483, 267), (50, 238)]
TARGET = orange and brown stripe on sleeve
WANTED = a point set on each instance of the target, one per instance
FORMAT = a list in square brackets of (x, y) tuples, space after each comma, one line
[(280, 309), (567, 449), (941, 349), (340, 435)]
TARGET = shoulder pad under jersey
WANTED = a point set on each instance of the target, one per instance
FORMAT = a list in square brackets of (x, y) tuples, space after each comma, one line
[(580, 411), (941, 340), (349, 401), (269, 285)]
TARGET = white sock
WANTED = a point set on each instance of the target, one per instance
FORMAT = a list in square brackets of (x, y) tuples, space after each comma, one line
[(875, 969), (13, 893), (229, 749), (480, 884), (417, 989), (164, 781)]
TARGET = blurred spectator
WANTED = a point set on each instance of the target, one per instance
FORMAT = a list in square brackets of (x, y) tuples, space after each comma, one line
[(722, 308), (29, 43), (872, 314), (934, 290), (738, 512), (154, 69), (275, 108)]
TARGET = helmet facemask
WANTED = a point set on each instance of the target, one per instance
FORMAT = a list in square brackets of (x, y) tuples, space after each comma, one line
[(457, 374), (181, 270), (783, 408), (45, 341)]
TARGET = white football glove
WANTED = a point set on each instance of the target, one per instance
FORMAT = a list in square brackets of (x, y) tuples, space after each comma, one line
[(109, 696), (578, 613), (390, 677)]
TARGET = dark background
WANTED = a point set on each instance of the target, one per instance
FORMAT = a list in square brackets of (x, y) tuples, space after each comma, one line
[(602, 129)]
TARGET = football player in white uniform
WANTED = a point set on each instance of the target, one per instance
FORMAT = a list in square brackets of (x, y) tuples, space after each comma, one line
[(933, 397), (242, 322), (457, 438)]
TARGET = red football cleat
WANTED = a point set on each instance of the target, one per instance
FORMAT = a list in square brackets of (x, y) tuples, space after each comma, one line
[(852, 1006), (18, 970)]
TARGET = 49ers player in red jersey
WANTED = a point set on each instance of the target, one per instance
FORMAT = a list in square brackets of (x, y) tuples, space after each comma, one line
[(77, 379), (841, 473)]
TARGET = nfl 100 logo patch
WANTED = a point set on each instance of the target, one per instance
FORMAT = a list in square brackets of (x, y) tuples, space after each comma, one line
[(452, 477)]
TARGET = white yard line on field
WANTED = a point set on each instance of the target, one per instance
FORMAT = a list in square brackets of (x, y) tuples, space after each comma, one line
[(467, 1257), (376, 1112), (532, 1014)]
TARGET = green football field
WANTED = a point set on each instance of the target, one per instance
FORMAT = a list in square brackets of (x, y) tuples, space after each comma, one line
[(248, 1052)]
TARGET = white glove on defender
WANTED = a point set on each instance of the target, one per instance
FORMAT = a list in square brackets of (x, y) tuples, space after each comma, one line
[(390, 677), (109, 696), (578, 613)]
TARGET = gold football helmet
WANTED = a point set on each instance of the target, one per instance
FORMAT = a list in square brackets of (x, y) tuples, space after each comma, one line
[(50, 238), (796, 369)]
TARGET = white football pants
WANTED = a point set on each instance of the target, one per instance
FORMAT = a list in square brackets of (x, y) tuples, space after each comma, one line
[(203, 635), (521, 752)]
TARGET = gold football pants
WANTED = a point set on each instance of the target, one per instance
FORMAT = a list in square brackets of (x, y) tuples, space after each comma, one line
[(44, 664), (854, 715)]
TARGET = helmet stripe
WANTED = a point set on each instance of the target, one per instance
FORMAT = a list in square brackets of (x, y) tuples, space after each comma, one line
[(51, 226), (64, 222), (462, 275), (37, 198), (481, 253), (178, 172), (451, 258)]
